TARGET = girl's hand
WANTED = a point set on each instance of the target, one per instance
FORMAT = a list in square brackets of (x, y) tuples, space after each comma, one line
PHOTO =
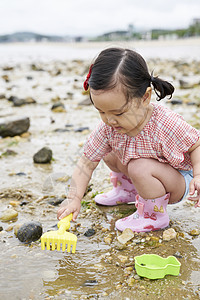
[(195, 186), (69, 206)]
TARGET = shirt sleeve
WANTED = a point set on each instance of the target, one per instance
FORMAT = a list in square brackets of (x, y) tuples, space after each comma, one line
[(97, 146), (178, 137)]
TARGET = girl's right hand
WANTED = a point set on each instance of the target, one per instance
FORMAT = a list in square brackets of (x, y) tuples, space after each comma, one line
[(69, 206)]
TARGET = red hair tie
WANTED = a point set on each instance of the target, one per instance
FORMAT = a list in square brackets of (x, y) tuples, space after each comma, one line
[(85, 84)]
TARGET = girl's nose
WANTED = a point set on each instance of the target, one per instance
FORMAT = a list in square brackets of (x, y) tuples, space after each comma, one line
[(111, 120)]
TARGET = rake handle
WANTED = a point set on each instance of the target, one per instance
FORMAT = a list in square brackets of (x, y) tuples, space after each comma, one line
[(64, 224)]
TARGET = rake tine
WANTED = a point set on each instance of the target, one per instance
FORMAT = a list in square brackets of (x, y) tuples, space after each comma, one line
[(58, 246), (53, 245), (73, 247), (42, 244), (63, 246), (68, 247), (48, 245)]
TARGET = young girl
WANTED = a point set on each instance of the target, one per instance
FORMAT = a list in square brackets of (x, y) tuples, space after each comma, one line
[(154, 155)]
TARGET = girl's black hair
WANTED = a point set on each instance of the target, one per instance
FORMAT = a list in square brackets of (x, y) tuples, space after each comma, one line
[(118, 65)]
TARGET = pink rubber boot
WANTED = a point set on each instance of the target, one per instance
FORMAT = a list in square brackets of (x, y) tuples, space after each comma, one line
[(123, 191), (150, 215)]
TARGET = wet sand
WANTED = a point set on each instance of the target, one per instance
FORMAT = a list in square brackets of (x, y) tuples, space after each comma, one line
[(97, 270)]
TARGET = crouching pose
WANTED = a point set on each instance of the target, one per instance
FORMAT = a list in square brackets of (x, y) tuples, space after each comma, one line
[(153, 154)]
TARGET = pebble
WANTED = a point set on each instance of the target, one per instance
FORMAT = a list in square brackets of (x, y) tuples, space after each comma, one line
[(90, 282), (81, 129), (128, 270), (43, 156), (123, 258), (169, 234), (126, 236), (118, 286), (58, 107), (90, 232), (99, 267), (56, 201), (108, 239), (14, 203), (194, 232), (131, 281), (119, 246), (9, 214), (9, 228)]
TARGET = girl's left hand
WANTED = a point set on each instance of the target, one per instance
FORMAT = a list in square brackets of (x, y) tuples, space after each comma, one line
[(195, 186)]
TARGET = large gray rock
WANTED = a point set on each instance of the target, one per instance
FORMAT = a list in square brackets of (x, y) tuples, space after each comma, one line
[(29, 232), (15, 127)]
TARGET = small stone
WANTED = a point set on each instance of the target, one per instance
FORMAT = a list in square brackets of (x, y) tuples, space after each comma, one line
[(131, 281), (90, 282), (105, 294), (14, 203), (194, 232), (108, 240), (104, 229), (123, 258), (155, 238), (176, 102), (119, 246), (43, 156), (128, 270), (8, 152), (8, 215), (99, 267), (178, 255), (169, 234), (89, 232), (81, 129), (118, 286), (9, 228), (58, 107), (126, 236), (56, 201)]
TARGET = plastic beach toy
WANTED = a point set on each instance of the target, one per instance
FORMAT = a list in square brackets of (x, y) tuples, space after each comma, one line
[(60, 238), (154, 266)]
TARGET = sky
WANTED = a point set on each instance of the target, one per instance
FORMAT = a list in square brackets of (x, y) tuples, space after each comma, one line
[(92, 18)]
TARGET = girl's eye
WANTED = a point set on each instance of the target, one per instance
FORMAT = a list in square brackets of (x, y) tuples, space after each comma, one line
[(119, 114)]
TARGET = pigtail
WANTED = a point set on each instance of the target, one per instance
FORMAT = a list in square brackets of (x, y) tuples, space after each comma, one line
[(162, 88)]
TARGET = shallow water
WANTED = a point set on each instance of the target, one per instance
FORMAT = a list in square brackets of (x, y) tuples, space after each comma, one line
[(95, 271)]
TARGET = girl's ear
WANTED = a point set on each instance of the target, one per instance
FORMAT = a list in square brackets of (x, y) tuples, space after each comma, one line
[(147, 96)]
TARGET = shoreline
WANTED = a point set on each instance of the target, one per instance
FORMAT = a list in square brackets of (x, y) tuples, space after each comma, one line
[(181, 49), (193, 41)]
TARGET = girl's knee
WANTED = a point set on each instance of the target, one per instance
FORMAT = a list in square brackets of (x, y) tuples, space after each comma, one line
[(138, 168)]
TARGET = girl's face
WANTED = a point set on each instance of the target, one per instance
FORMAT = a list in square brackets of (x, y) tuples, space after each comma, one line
[(126, 117)]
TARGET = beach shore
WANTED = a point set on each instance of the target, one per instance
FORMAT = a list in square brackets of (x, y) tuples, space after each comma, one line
[(49, 79), (186, 49)]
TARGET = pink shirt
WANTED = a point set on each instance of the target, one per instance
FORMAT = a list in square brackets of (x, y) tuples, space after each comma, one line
[(166, 137)]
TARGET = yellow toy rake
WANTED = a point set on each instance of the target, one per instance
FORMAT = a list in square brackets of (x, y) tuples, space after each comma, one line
[(53, 239)]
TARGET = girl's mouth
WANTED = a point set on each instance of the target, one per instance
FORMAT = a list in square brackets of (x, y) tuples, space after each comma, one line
[(118, 128)]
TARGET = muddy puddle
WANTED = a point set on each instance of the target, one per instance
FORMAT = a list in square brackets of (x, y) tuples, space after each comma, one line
[(100, 268)]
